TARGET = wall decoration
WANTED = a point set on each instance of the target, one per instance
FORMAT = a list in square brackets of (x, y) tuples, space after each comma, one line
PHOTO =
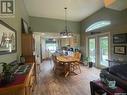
[(25, 27), (120, 38), (120, 49), (8, 39)]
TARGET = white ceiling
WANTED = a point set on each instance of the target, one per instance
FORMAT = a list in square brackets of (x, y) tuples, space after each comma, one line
[(77, 9)]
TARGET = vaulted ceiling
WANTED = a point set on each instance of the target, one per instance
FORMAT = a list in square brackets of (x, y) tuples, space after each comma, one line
[(77, 9)]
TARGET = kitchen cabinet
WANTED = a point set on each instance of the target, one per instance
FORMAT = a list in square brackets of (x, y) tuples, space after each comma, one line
[(28, 44)]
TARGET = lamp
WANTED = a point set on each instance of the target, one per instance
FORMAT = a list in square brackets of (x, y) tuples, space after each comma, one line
[(66, 33)]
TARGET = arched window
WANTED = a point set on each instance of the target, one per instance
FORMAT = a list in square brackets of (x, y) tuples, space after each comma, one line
[(98, 25)]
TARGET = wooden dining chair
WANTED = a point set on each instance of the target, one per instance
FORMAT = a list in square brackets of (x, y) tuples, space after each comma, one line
[(58, 66), (54, 61), (76, 65)]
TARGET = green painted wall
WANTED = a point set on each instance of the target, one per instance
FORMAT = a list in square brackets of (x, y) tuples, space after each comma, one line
[(40, 24), (16, 24), (118, 25)]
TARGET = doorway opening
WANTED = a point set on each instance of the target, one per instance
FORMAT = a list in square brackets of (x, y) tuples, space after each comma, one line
[(51, 45)]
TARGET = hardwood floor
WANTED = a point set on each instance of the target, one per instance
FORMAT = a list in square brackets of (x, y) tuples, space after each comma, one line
[(50, 84)]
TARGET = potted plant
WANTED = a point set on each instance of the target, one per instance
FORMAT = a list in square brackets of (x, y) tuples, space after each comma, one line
[(7, 75), (88, 62)]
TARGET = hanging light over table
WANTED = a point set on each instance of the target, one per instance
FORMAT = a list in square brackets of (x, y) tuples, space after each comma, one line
[(66, 33)]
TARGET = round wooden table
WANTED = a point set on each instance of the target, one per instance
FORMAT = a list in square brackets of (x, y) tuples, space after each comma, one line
[(66, 60)]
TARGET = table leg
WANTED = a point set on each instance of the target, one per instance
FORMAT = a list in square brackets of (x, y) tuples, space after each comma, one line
[(67, 69)]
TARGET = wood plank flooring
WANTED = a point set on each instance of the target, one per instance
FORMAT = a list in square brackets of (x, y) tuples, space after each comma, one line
[(50, 84)]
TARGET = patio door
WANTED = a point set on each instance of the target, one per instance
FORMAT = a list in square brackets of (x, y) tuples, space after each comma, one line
[(103, 50), (92, 49), (98, 50)]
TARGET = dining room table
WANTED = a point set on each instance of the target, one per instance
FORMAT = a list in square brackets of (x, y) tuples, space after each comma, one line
[(67, 62)]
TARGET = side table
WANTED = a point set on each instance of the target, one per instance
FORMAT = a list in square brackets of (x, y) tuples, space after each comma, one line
[(99, 88)]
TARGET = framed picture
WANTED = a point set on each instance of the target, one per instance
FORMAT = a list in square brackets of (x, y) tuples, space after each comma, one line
[(25, 27), (120, 38), (8, 39), (120, 49)]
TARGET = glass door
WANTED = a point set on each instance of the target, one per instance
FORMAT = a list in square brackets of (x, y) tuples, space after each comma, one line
[(98, 49), (103, 50), (92, 49)]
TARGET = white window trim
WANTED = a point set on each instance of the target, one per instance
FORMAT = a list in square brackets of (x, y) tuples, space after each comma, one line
[(98, 25)]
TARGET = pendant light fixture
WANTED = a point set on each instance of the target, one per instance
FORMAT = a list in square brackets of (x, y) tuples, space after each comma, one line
[(66, 33)]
